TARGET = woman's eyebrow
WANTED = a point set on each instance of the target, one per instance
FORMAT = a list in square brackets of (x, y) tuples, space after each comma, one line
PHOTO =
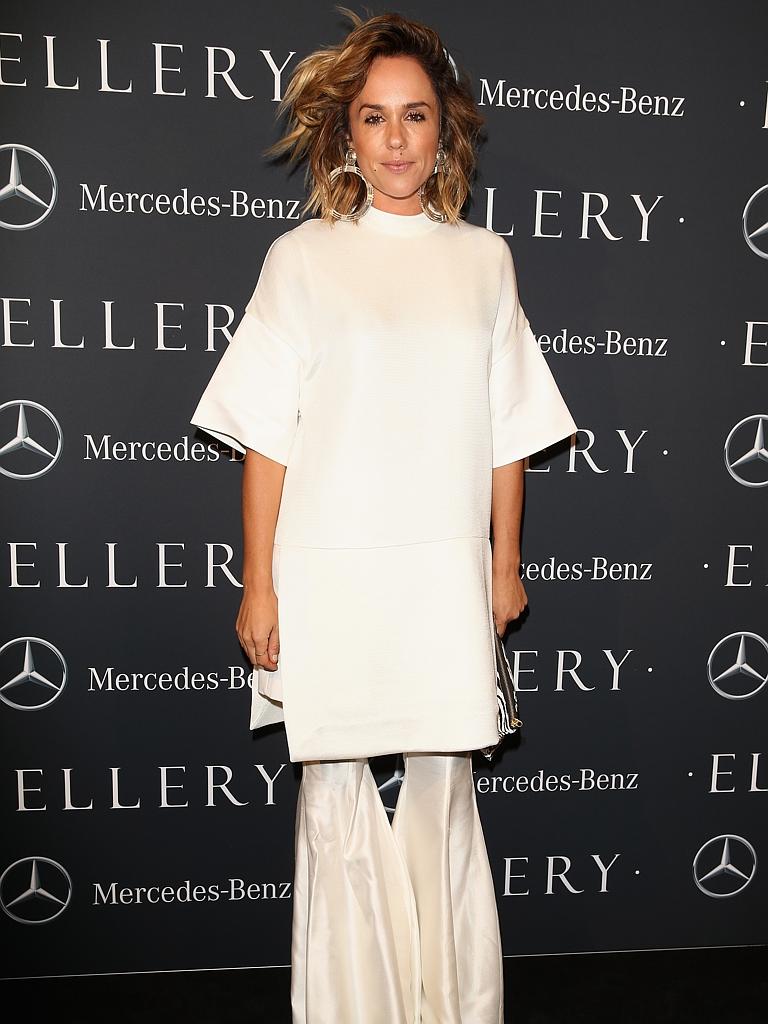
[(381, 106)]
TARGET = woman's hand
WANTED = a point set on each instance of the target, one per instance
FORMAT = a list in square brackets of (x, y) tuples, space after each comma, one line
[(509, 596), (256, 627)]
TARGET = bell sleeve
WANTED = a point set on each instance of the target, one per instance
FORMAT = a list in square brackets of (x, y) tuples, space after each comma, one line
[(528, 413), (252, 398)]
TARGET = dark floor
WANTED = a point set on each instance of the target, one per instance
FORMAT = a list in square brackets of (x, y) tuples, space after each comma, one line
[(727, 986)]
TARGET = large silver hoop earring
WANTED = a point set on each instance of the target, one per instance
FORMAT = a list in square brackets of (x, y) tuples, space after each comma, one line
[(427, 207), (350, 167)]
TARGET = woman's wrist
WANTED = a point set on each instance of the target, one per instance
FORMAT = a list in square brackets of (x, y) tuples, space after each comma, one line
[(506, 558), (257, 581)]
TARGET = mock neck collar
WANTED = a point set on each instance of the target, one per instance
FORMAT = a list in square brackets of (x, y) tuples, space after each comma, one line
[(397, 223)]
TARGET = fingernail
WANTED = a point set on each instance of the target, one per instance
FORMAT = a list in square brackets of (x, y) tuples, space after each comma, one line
[(274, 657)]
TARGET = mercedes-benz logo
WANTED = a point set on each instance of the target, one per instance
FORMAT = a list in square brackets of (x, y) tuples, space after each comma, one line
[(39, 192), (35, 890), (45, 444), (724, 866), (754, 214), (752, 460), (737, 666), (33, 673)]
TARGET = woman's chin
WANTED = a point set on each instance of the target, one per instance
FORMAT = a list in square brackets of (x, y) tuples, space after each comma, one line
[(398, 190)]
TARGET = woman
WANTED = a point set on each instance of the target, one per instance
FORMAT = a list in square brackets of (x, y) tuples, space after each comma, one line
[(385, 387)]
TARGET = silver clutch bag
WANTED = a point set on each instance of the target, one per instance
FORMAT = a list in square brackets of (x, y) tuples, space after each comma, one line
[(506, 696)]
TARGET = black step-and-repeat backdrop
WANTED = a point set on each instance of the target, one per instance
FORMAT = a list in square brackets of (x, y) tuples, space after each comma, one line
[(143, 826)]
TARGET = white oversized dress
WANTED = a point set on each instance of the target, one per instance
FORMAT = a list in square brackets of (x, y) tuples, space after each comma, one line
[(389, 365)]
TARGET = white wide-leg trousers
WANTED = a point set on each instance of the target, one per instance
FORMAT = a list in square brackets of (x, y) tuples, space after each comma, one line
[(393, 924)]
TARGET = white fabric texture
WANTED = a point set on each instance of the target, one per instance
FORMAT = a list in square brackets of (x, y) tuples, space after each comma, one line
[(389, 365), (393, 924)]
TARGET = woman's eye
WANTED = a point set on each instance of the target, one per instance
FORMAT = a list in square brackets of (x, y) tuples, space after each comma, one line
[(415, 115)]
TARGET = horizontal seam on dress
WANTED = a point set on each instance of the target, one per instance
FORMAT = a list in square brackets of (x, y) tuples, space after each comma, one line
[(375, 547)]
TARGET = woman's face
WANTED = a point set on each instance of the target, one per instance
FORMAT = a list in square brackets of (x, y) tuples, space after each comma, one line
[(395, 127)]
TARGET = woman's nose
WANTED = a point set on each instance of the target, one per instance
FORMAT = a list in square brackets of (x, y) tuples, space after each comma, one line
[(396, 139)]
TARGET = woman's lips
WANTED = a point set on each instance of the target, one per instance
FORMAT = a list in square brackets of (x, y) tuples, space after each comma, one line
[(398, 166)]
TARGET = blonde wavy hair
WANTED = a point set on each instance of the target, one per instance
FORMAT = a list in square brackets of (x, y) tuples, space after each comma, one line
[(326, 81)]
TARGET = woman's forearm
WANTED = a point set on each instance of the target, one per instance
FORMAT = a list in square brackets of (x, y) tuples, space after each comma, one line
[(506, 514), (262, 489)]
